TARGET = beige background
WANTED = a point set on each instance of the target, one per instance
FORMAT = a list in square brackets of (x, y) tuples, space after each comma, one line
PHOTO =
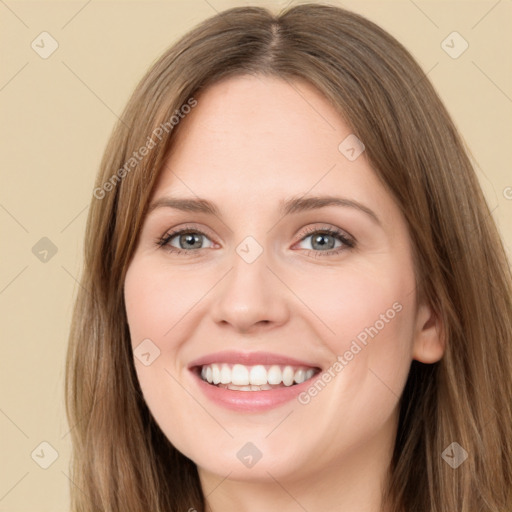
[(57, 114)]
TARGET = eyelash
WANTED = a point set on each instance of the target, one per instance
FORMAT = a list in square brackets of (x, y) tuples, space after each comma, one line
[(348, 242)]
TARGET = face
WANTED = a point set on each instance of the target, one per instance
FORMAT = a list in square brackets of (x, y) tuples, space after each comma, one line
[(301, 312)]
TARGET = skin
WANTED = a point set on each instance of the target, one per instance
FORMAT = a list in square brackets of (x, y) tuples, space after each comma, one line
[(250, 143)]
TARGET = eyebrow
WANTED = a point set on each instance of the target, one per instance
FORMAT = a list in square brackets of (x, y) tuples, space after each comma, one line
[(287, 207)]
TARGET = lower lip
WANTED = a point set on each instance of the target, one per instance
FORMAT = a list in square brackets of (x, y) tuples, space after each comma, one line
[(251, 401)]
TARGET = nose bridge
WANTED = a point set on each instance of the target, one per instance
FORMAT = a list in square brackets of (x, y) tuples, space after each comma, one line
[(250, 294)]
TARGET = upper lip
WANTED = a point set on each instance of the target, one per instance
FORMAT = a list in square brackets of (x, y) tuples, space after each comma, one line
[(249, 359)]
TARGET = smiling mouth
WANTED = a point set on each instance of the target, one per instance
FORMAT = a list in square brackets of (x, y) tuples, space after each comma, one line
[(239, 377)]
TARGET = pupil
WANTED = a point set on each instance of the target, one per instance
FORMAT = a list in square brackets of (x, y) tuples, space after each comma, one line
[(318, 240), (189, 239)]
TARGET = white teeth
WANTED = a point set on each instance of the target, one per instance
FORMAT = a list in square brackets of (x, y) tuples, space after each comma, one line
[(274, 375), (239, 388), (258, 375), (225, 374), (288, 375), (254, 378), (215, 374), (239, 375), (300, 376), (265, 387)]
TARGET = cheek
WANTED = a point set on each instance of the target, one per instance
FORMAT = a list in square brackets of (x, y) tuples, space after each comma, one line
[(157, 299), (357, 305), (158, 304), (369, 319), (372, 317)]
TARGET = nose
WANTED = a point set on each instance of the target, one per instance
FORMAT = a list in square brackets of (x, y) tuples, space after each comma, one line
[(250, 298)]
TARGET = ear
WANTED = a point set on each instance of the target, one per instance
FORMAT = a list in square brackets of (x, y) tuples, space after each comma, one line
[(429, 338)]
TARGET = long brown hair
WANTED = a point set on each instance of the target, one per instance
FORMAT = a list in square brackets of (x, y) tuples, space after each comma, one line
[(121, 459)]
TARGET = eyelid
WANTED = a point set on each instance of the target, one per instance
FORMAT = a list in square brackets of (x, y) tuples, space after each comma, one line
[(184, 228), (327, 228)]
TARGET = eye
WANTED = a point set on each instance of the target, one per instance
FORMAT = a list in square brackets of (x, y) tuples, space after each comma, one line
[(326, 241), (185, 240)]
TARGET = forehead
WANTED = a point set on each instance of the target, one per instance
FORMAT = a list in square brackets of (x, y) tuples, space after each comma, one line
[(282, 113), (252, 138)]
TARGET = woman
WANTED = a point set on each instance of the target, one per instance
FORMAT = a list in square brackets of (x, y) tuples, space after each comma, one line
[(294, 296)]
